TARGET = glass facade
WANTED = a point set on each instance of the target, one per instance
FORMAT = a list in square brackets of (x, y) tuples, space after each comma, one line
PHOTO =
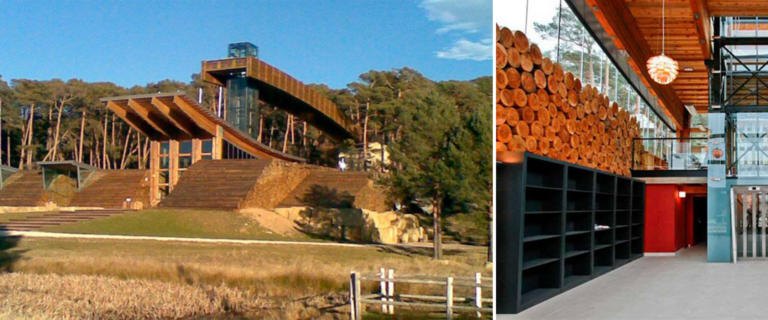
[(243, 104), (242, 50)]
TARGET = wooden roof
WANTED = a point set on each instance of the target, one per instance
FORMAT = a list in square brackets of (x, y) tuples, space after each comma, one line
[(166, 116), (283, 91), (688, 34)]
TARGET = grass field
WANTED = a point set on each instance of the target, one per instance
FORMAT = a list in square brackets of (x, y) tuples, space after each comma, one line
[(177, 223), (290, 281)]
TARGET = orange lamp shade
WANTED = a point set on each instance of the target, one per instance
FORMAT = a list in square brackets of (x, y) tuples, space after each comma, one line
[(662, 69)]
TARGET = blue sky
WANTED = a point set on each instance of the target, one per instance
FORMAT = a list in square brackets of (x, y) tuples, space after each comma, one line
[(330, 42)]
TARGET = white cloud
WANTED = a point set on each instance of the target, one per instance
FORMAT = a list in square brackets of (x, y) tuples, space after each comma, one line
[(464, 49), (469, 22)]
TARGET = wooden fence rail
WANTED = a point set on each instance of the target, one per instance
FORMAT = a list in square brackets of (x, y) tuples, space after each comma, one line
[(388, 299)]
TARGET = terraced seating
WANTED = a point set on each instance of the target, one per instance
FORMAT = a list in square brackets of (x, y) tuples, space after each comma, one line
[(216, 184), (110, 188), (23, 189), (43, 219)]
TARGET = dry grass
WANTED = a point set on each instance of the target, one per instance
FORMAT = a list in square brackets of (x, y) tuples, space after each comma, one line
[(97, 297), (295, 282)]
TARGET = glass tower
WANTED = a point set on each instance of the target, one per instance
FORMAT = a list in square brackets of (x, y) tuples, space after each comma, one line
[(242, 93)]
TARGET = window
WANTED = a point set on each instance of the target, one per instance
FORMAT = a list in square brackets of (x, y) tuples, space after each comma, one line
[(185, 147)]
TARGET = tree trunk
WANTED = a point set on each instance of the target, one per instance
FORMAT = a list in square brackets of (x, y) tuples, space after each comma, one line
[(30, 134), (82, 137), (365, 131), (287, 133), (125, 149), (57, 132), (438, 238), (104, 160)]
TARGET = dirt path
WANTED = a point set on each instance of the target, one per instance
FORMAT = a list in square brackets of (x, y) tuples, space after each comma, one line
[(39, 234)]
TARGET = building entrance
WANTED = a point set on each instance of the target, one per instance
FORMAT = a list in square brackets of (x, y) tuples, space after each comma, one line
[(750, 222)]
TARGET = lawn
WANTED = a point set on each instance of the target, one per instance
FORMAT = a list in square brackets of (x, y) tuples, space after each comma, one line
[(296, 280), (178, 223)]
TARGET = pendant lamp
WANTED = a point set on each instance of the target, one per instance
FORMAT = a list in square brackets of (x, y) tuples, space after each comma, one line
[(662, 69)]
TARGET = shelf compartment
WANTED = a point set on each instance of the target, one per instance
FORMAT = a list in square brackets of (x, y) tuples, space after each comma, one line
[(604, 258), (580, 179), (604, 218), (622, 250), (604, 201), (539, 284), (606, 183), (638, 217), (604, 237), (540, 252), (622, 202), (576, 269), (544, 173), (637, 246), (637, 231), (622, 234), (538, 199), (623, 186), (578, 222), (578, 201), (623, 218), (638, 189), (542, 225)]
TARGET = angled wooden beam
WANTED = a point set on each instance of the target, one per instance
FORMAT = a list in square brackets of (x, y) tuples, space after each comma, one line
[(700, 9), (133, 120), (196, 116), (178, 118), (625, 26), (157, 123)]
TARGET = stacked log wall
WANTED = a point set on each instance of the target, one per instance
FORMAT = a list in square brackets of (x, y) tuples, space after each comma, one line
[(540, 108)]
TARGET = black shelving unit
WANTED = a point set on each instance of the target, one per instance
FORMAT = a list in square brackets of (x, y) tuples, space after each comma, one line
[(560, 225)]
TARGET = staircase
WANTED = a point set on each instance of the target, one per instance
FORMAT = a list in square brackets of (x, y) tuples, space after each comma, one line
[(23, 189), (215, 184), (47, 219), (110, 188), (327, 188)]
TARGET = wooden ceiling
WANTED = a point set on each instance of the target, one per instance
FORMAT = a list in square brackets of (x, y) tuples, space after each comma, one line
[(687, 40)]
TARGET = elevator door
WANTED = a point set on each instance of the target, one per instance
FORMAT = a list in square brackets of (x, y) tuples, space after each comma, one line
[(749, 217)]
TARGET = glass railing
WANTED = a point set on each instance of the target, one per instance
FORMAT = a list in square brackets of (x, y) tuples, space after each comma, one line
[(655, 154)]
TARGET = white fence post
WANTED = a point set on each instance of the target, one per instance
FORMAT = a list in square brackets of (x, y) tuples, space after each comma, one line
[(478, 294), (449, 298), (354, 297), (383, 290), (391, 291)]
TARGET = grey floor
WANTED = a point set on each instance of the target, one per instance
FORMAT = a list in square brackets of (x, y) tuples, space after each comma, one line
[(681, 287)]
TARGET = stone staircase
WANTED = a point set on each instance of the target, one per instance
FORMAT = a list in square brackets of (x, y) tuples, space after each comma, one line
[(44, 219), (327, 189), (216, 184), (110, 188), (23, 189)]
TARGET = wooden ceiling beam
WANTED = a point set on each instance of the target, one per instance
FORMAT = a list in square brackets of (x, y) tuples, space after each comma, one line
[(702, 21), (181, 121), (159, 124), (121, 110), (622, 22)]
